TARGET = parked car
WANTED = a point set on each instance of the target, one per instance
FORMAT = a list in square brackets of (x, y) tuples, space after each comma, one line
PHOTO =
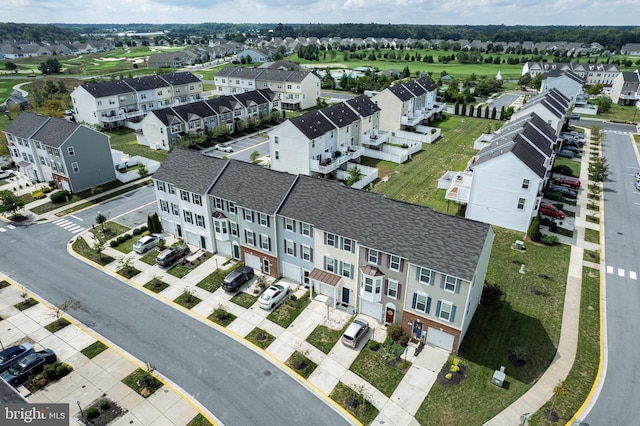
[(273, 296), (573, 149), (146, 243), (356, 331), (224, 147), (569, 193), (564, 153), (6, 174), (574, 116), (237, 278), (569, 142), (13, 354), (551, 210), (33, 363), (567, 181), (171, 254)]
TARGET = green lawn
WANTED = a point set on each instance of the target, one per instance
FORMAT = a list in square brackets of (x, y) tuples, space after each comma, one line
[(592, 235), (351, 401), (199, 420), (243, 299), (372, 367), (325, 338), (213, 281), (288, 311), (125, 140), (574, 165), (260, 338), (94, 349), (528, 316), (302, 365), (627, 114), (156, 285), (416, 180), (81, 247), (221, 316), (142, 382), (187, 299)]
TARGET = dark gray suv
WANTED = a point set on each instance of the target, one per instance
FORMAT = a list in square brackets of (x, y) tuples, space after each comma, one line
[(171, 254), (237, 278)]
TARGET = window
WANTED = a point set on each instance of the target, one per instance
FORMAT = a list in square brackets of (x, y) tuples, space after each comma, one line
[(347, 245), (248, 215), (197, 199), (277, 155), (160, 186), (306, 253), (368, 284), (234, 228), (74, 166), (188, 216), (264, 219), (306, 229), (347, 270), (164, 206), (521, 203), (172, 188), (373, 257), (392, 289), (330, 239), (450, 284), (288, 225), (265, 242), (218, 203), (275, 140), (330, 264), (71, 151), (289, 247), (248, 235), (200, 220), (425, 276), (525, 183), (184, 195), (174, 209), (445, 311), (421, 302), (232, 207), (394, 263), (220, 226)]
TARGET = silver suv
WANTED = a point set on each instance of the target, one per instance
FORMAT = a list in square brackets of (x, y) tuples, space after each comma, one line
[(356, 331)]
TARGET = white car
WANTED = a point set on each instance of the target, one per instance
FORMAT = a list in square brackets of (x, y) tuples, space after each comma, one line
[(224, 147), (273, 296), (146, 243)]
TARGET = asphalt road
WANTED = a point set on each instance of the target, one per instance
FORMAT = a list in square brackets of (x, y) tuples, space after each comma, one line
[(616, 402), (236, 384)]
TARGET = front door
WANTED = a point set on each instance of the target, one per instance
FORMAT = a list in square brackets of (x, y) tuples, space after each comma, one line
[(236, 251), (203, 242), (417, 329), (389, 315), (179, 231), (345, 296), (266, 266)]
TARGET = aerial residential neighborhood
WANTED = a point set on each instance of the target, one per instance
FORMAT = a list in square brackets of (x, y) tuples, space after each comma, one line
[(289, 224)]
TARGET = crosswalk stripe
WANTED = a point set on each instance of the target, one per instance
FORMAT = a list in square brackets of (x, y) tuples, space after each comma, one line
[(11, 227), (63, 222), (620, 272), (609, 269), (58, 221), (77, 230), (3, 230), (632, 275), (68, 225), (74, 228)]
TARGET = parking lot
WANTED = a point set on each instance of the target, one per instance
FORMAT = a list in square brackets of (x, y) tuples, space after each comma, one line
[(243, 147)]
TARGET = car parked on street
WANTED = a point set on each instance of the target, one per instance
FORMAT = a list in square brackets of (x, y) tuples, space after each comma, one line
[(564, 153), (33, 363), (566, 192), (146, 243), (356, 331), (567, 181), (171, 254), (551, 210), (237, 278), (13, 354), (273, 296), (224, 147)]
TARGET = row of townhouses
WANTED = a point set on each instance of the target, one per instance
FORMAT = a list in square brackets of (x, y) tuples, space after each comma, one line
[(591, 73), (18, 50), (73, 156), (503, 183), (160, 128), (111, 104), (394, 261), (296, 89), (216, 49)]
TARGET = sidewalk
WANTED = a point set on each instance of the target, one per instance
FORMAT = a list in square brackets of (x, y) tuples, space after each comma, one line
[(563, 361)]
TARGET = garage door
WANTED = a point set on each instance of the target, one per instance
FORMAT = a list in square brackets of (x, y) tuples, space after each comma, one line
[(371, 309), (292, 272), (440, 339), (252, 261)]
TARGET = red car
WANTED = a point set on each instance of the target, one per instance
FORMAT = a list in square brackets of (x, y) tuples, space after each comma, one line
[(551, 210), (567, 181)]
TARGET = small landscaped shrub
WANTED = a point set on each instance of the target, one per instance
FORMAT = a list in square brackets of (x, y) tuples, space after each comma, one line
[(37, 195), (121, 239), (59, 196), (136, 231), (127, 237), (373, 345), (92, 413), (113, 244), (46, 189), (394, 331), (549, 240), (104, 404), (144, 229), (449, 376), (454, 368), (455, 361), (563, 169), (293, 298)]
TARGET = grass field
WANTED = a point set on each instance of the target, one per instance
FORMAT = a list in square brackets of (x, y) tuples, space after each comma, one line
[(125, 140)]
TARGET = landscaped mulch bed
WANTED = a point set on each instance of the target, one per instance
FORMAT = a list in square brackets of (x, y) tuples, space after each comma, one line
[(101, 413)]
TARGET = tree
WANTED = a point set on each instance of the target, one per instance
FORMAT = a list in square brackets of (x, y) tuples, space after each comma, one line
[(595, 89), (51, 66), (355, 174), (4, 144), (100, 220), (604, 103), (142, 170), (599, 169), (65, 306), (10, 66), (153, 223), (534, 229), (536, 82), (559, 391), (10, 203)]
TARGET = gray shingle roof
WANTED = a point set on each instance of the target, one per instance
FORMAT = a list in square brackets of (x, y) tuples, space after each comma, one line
[(48, 130), (425, 237), (363, 105), (25, 124), (189, 170), (129, 85), (265, 74), (313, 124), (340, 114)]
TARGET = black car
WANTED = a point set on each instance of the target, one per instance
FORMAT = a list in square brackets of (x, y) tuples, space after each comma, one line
[(564, 191), (33, 363), (237, 278), (571, 148), (171, 254), (13, 354)]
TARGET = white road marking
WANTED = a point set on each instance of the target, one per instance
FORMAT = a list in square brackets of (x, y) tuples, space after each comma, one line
[(3, 230), (58, 221), (609, 269), (632, 275), (11, 227), (77, 230), (620, 272), (75, 217)]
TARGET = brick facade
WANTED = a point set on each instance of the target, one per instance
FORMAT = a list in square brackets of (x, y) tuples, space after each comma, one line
[(407, 327)]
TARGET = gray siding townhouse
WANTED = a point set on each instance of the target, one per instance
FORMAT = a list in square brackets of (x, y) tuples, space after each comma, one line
[(73, 156)]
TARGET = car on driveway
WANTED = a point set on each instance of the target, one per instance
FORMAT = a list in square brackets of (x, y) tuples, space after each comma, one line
[(356, 331), (169, 255), (551, 210), (273, 296), (237, 278), (224, 147), (33, 363), (567, 181), (13, 354), (569, 193), (573, 149), (146, 243)]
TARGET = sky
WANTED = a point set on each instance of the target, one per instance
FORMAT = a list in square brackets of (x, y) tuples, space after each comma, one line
[(427, 12)]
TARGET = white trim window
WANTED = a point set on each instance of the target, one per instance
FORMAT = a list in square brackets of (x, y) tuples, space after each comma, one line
[(394, 262), (184, 195), (197, 199), (74, 166), (264, 219), (425, 276), (217, 202), (265, 242), (172, 189), (175, 210), (188, 216), (446, 311), (331, 240), (232, 207), (289, 247), (164, 206), (306, 253), (248, 215), (330, 264), (373, 256), (233, 227), (392, 289), (288, 224), (200, 220), (305, 229)]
